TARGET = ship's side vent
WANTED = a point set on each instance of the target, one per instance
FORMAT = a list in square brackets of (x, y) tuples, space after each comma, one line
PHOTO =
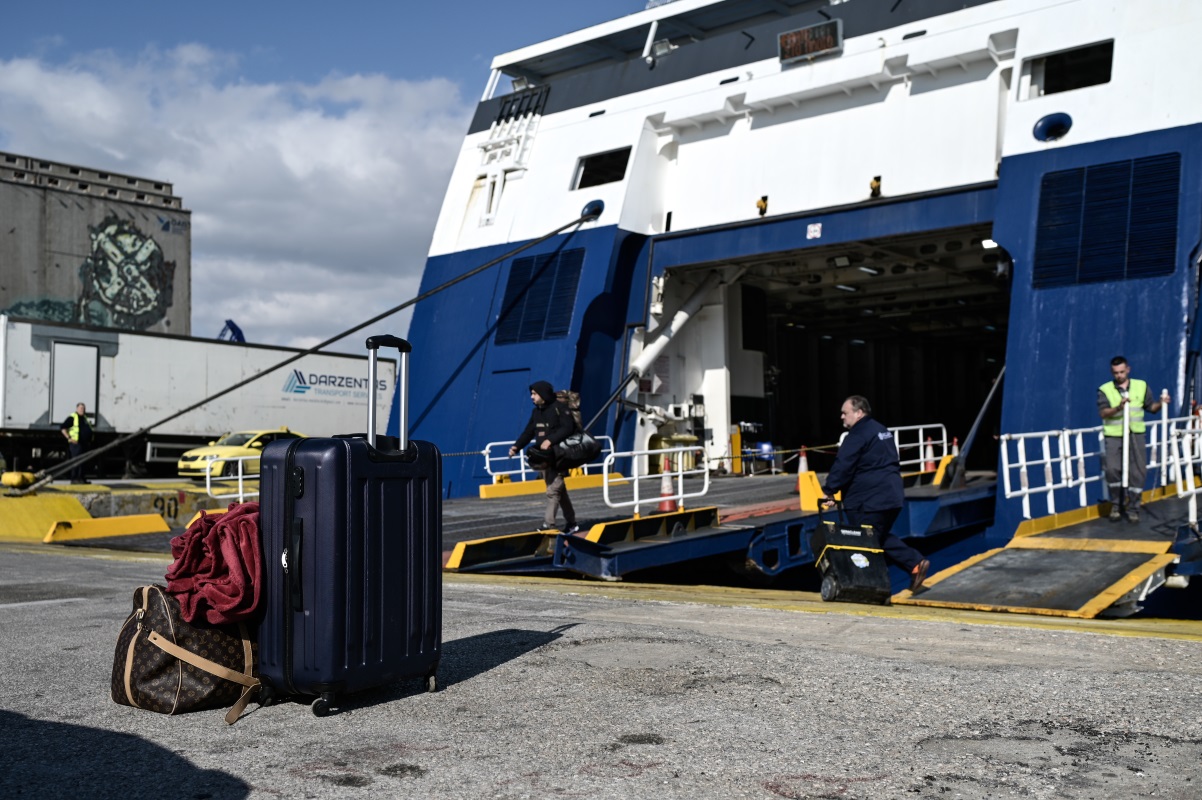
[(1108, 222), (540, 297)]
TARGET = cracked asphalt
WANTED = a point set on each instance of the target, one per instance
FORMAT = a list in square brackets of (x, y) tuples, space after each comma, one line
[(583, 690)]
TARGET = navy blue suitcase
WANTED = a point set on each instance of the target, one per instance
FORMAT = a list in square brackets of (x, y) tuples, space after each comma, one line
[(352, 548)]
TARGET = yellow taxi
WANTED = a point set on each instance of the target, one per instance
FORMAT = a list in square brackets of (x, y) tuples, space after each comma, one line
[(215, 458)]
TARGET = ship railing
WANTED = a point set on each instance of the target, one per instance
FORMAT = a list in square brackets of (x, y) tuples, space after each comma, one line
[(503, 467), (240, 479), (666, 487), (1043, 462), (912, 443), (1185, 456)]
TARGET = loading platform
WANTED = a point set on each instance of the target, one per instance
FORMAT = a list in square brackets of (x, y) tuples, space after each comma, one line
[(1078, 564), (1073, 564), (766, 540)]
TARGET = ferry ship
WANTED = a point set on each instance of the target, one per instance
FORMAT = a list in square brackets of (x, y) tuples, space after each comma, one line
[(760, 207)]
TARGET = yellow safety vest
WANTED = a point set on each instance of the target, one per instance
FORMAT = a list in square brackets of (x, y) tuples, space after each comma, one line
[(1137, 393)]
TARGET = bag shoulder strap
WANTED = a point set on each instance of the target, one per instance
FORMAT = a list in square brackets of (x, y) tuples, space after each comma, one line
[(213, 668)]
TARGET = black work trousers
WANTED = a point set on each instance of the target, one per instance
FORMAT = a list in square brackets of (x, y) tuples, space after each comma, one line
[(895, 549)]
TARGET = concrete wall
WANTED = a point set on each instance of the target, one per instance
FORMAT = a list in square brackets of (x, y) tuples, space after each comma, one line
[(84, 246)]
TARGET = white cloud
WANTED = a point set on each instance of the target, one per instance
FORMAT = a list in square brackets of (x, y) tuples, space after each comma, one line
[(313, 204)]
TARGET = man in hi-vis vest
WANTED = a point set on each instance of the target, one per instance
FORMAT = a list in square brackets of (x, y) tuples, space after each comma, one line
[(1122, 403), (77, 430)]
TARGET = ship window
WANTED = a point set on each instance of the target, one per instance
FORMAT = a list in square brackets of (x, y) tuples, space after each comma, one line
[(1108, 222), (601, 168), (540, 297), (1072, 69)]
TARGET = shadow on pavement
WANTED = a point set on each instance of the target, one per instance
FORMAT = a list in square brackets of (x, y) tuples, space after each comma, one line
[(56, 759), (464, 659)]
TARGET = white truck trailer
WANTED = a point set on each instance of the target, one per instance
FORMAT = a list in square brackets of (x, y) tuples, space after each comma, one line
[(129, 380)]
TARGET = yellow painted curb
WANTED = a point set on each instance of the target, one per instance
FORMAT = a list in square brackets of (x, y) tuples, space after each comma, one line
[(212, 512), (67, 530), (809, 602), (26, 519)]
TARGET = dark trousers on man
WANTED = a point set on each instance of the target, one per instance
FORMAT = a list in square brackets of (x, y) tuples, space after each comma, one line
[(557, 497), (1128, 496), (895, 549), (76, 474)]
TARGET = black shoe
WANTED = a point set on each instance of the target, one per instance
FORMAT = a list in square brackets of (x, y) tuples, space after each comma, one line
[(918, 575)]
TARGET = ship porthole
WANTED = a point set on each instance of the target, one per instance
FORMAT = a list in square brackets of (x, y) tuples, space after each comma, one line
[(1052, 127)]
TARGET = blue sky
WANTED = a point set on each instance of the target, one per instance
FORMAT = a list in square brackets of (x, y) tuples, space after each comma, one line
[(306, 138)]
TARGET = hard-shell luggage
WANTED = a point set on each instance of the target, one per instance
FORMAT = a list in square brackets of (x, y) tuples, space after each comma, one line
[(352, 546), (851, 561)]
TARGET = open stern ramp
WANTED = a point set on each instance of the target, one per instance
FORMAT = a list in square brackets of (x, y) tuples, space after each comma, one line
[(1069, 565)]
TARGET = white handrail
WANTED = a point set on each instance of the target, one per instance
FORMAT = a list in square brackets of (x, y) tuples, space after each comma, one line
[(240, 478), (676, 473), (939, 445), (503, 464), (1068, 459), (1185, 453)]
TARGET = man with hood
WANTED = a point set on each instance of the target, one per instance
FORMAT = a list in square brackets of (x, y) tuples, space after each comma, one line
[(550, 423)]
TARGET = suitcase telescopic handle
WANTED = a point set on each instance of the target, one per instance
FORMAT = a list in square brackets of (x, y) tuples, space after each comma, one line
[(374, 343)]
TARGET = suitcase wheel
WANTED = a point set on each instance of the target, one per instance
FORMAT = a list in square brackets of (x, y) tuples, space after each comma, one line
[(267, 695), (431, 682), (830, 588), (321, 706)]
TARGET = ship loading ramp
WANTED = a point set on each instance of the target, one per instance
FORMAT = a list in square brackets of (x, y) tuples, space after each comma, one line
[(1076, 564), (760, 540)]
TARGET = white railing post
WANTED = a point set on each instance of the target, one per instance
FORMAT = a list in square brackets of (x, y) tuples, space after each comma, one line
[(1049, 479)]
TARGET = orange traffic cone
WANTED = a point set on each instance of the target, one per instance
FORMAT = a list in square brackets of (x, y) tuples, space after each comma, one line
[(803, 466), (928, 465), (668, 502)]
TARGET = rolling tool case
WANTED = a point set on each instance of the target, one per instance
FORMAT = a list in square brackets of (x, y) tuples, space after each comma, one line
[(851, 561), (352, 547)]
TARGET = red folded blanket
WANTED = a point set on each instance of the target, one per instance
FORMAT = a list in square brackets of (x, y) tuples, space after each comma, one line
[(218, 567)]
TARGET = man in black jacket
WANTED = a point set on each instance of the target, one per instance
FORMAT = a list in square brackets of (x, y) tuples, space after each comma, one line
[(867, 472), (550, 423)]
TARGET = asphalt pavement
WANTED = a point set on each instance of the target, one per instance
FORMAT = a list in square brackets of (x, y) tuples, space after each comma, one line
[(572, 688)]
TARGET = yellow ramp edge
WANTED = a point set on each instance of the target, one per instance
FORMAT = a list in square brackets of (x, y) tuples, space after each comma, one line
[(1096, 545), (474, 552), (1128, 582), (68, 530), (1090, 610), (533, 544), (26, 519), (539, 486), (1025, 539)]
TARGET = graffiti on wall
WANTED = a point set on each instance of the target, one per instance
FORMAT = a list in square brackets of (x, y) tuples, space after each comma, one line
[(124, 282)]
